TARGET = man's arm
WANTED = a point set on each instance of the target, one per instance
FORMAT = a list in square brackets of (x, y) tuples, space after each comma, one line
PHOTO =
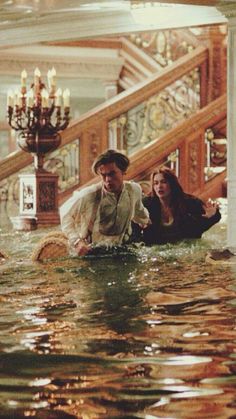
[(71, 224), (68, 213), (76, 215), (141, 214)]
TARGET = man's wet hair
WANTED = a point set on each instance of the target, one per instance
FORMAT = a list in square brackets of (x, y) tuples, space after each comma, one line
[(111, 156)]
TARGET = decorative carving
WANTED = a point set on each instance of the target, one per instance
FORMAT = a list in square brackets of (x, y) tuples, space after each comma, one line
[(28, 201), (47, 196), (94, 139), (194, 165), (216, 153), (227, 9)]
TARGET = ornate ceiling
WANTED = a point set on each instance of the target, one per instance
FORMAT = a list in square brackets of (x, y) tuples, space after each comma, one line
[(29, 21)]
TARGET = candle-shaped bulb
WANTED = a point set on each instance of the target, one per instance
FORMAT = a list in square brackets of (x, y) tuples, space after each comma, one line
[(30, 99), (66, 98), (10, 98), (49, 78), (58, 97), (53, 77), (17, 98), (37, 76), (23, 78), (45, 97)]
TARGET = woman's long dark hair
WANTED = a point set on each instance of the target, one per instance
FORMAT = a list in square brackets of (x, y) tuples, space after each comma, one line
[(178, 196)]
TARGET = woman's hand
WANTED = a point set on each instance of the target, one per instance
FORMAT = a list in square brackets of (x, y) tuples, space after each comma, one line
[(210, 208)]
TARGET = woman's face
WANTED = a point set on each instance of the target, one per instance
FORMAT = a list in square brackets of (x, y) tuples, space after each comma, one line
[(161, 186)]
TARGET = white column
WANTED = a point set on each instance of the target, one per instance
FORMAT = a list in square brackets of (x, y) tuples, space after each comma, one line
[(231, 135)]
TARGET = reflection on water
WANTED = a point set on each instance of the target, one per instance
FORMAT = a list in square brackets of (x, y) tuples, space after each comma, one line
[(147, 334)]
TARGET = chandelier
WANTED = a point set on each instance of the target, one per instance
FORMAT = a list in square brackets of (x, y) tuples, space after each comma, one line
[(39, 114)]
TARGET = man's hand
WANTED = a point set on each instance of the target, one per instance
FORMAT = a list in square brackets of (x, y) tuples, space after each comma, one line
[(82, 247), (210, 208), (143, 226)]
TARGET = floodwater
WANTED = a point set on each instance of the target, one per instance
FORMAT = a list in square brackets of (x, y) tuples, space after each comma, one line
[(148, 333)]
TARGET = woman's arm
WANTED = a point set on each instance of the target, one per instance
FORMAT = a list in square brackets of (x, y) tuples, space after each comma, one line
[(200, 217)]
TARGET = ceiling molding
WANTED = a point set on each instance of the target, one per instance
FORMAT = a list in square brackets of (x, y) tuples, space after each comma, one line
[(70, 62)]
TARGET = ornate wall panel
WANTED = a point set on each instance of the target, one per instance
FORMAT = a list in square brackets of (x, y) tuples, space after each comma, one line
[(194, 165)]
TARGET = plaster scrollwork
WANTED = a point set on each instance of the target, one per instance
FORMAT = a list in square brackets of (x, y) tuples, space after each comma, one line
[(228, 10), (95, 69)]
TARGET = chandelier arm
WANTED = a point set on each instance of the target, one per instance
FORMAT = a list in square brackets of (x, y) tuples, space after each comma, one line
[(51, 110), (63, 126)]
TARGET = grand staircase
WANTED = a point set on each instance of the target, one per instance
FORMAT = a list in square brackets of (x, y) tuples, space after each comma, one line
[(170, 110)]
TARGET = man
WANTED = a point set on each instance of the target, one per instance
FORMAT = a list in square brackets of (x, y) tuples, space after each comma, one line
[(102, 213)]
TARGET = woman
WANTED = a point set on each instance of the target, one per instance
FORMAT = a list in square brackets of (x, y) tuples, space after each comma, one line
[(174, 214)]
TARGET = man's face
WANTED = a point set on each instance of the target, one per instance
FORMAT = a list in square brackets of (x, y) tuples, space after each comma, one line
[(112, 177)]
